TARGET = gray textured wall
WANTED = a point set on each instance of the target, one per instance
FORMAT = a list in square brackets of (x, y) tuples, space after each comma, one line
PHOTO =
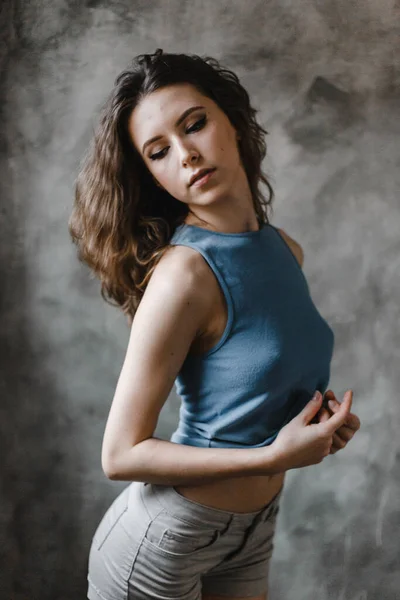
[(325, 77)]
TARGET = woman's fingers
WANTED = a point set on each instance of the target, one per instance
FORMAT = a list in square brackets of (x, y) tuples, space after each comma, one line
[(347, 426), (344, 433), (336, 445), (339, 417), (323, 415), (352, 420)]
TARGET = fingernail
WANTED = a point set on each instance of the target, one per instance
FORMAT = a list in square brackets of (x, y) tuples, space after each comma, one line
[(331, 404), (317, 395)]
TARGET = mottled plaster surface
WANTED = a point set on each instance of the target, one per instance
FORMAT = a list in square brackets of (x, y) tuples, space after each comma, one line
[(325, 79)]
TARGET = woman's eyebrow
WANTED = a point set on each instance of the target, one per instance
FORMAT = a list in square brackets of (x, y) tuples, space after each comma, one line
[(179, 121)]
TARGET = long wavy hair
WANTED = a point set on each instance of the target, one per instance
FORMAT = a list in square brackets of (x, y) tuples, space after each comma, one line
[(121, 220)]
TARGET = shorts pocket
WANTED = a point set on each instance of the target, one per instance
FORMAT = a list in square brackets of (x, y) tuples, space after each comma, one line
[(181, 538)]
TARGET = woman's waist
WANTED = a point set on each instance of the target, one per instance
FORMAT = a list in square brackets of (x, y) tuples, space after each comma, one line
[(236, 494)]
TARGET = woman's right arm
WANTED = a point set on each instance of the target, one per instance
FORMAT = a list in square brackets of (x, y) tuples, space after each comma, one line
[(174, 309)]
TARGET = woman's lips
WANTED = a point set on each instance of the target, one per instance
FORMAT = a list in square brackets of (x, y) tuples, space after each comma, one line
[(203, 180)]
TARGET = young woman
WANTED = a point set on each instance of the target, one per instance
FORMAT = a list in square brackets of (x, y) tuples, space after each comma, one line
[(169, 215)]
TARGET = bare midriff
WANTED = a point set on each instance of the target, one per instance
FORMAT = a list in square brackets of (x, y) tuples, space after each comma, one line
[(238, 494)]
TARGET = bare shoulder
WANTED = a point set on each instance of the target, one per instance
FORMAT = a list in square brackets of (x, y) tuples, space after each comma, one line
[(294, 246), (184, 266), (183, 272)]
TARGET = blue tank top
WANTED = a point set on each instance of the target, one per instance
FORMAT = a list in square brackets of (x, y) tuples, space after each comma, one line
[(274, 353)]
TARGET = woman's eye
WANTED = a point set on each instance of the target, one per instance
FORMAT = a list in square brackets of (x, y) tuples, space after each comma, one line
[(198, 125), (156, 156)]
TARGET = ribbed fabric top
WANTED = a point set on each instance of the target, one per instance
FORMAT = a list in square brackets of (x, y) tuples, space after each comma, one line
[(275, 351)]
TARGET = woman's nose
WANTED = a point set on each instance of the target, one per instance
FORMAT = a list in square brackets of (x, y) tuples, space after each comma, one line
[(188, 154)]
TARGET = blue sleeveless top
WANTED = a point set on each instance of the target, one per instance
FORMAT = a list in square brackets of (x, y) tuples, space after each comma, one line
[(275, 350)]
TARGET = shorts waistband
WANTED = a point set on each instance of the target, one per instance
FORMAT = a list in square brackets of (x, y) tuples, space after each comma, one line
[(173, 502)]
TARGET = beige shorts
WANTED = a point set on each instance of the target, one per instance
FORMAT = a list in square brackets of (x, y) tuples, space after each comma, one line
[(153, 543)]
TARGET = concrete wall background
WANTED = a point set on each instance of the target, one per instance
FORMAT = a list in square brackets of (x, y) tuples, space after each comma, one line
[(325, 77)]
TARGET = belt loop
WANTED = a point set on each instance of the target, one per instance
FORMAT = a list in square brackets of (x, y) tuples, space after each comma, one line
[(227, 524), (273, 506), (259, 516)]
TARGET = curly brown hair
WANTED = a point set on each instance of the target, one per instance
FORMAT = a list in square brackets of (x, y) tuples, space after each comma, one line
[(121, 220)]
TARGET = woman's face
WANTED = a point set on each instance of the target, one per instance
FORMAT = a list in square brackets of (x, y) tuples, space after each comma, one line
[(189, 139)]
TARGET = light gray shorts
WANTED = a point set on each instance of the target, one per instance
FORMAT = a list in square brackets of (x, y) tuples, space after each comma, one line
[(153, 543)]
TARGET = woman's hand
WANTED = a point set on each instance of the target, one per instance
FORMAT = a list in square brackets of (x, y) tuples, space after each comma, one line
[(301, 443), (346, 431)]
